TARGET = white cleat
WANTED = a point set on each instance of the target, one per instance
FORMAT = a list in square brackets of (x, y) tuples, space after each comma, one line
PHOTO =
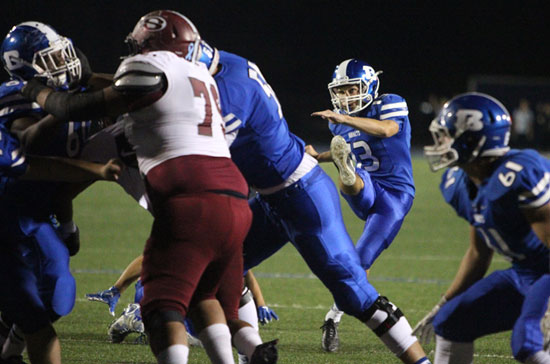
[(341, 155), (129, 322)]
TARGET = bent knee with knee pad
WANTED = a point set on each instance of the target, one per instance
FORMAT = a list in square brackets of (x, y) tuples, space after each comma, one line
[(158, 319), (390, 325)]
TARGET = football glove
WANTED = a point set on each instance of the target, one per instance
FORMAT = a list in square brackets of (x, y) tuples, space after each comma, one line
[(424, 330), (109, 296), (266, 314)]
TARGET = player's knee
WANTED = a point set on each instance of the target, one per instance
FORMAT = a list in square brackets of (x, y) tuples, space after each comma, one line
[(390, 325), (64, 295), (156, 320)]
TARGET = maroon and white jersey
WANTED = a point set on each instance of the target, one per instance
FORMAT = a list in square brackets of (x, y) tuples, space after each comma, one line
[(186, 120)]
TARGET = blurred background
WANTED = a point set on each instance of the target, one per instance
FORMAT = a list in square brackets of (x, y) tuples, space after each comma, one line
[(429, 51)]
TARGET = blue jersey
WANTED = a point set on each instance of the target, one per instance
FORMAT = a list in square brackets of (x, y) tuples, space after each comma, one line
[(388, 160), (12, 161), (520, 180), (67, 142), (265, 151)]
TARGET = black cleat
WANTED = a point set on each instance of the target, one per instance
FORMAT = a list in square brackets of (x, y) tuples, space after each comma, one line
[(330, 341), (16, 359), (265, 353)]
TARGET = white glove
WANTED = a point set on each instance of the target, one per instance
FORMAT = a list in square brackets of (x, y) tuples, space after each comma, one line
[(424, 330)]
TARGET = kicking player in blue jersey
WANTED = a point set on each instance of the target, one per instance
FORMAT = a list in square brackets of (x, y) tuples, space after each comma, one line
[(505, 196), (298, 202), (35, 260), (371, 148)]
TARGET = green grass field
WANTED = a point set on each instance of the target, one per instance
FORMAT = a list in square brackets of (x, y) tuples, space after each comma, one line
[(413, 273)]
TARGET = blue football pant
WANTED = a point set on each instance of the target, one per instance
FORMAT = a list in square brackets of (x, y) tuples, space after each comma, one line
[(493, 304), (527, 337), (308, 214), (37, 286), (383, 211)]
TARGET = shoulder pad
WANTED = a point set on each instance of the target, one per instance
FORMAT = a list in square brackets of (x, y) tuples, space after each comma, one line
[(524, 176), (139, 76)]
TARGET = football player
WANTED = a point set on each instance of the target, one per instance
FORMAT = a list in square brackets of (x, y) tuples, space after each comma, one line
[(371, 149), (43, 289), (505, 196), (297, 201), (174, 122)]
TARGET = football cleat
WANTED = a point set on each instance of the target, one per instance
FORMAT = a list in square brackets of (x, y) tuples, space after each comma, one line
[(265, 353), (16, 359), (341, 155), (330, 341), (109, 296), (243, 359), (130, 321)]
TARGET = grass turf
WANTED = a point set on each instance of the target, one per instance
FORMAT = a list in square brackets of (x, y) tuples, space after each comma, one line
[(413, 273)]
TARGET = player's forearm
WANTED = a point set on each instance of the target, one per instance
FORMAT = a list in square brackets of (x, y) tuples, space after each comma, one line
[(325, 157), (130, 274), (472, 268), (254, 287), (377, 128), (62, 169)]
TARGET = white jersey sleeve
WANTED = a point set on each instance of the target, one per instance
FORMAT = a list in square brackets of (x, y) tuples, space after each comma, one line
[(185, 120)]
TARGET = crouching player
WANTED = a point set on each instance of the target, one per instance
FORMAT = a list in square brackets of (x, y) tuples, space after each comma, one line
[(505, 196)]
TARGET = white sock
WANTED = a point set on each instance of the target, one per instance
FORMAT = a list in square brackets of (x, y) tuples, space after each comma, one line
[(248, 313), (540, 357), (334, 313), (14, 344), (246, 340), (450, 352), (216, 340), (174, 354)]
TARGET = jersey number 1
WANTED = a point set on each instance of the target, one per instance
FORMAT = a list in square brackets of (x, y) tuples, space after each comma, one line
[(200, 90)]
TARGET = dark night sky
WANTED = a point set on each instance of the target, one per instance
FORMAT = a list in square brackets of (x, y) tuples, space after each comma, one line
[(423, 47)]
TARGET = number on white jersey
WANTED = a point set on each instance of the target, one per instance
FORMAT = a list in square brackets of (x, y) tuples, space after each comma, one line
[(200, 90)]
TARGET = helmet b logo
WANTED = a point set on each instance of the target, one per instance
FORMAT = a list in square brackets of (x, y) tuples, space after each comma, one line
[(11, 58), (154, 23), (468, 119)]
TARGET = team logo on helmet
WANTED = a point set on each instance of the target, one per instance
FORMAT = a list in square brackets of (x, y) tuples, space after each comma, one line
[(154, 23)]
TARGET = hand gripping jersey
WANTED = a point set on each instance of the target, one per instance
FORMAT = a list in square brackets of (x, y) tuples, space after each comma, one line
[(67, 142), (388, 160), (264, 149), (521, 180), (186, 120)]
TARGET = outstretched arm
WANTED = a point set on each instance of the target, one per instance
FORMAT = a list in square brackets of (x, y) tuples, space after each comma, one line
[(70, 170), (130, 274), (378, 128), (265, 314), (321, 157), (473, 267)]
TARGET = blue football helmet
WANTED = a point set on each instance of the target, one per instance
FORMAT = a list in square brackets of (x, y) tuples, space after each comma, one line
[(469, 126), (348, 73), (35, 49), (209, 56)]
